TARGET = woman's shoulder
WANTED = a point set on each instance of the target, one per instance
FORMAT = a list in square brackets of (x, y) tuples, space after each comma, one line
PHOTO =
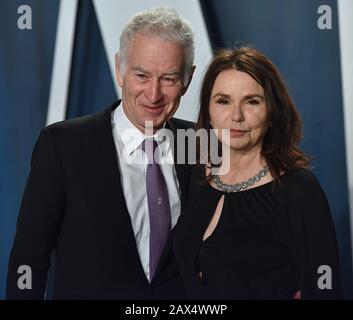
[(302, 183), (300, 178)]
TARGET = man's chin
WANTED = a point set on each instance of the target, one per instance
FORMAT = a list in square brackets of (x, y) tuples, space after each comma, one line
[(156, 122), (150, 126)]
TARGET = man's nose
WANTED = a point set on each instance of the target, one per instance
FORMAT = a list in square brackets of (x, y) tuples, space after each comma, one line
[(153, 91)]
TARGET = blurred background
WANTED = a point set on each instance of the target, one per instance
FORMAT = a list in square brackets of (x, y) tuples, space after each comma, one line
[(57, 62)]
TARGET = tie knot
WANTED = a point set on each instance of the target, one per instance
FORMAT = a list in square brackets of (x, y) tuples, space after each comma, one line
[(149, 146)]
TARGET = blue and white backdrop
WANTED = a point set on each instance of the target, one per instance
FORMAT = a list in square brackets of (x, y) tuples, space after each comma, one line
[(57, 62)]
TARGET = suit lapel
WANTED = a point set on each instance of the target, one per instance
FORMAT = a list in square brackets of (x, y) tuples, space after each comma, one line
[(110, 187), (108, 183)]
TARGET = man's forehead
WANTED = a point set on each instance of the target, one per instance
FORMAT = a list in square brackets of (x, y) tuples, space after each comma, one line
[(156, 58), (151, 46)]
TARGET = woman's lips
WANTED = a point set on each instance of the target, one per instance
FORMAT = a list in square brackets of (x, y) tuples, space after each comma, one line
[(237, 133)]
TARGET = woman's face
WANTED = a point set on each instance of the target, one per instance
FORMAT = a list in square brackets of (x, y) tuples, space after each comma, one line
[(238, 104)]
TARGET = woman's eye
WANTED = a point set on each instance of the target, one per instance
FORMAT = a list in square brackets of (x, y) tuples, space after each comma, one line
[(252, 102), (222, 101)]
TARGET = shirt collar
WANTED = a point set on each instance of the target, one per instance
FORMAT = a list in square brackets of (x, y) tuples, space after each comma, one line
[(128, 134)]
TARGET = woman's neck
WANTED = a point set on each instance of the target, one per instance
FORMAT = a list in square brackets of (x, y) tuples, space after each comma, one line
[(242, 164)]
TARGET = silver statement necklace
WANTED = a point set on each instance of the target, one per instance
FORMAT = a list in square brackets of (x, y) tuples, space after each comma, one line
[(243, 185)]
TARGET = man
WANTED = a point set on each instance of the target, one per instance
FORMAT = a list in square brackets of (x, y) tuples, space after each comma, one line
[(108, 219)]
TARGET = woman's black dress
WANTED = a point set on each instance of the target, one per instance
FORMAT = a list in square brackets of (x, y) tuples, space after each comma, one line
[(270, 242)]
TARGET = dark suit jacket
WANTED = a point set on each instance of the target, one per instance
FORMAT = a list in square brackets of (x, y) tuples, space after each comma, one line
[(74, 203)]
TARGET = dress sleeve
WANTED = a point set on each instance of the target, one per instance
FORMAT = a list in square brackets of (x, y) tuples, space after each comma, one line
[(315, 248)]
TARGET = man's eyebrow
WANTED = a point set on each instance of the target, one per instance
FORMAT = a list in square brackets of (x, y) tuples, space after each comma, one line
[(172, 73), (139, 69), (168, 74)]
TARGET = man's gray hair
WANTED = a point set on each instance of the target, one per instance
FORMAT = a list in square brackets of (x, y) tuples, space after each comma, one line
[(163, 23)]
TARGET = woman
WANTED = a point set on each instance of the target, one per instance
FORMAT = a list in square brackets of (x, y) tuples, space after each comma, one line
[(262, 229)]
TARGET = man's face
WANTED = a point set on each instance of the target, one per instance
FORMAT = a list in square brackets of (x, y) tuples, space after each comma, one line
[(152, 80)]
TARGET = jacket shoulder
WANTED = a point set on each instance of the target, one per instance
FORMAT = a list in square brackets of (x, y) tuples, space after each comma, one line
[(78, 123), (80, 127), (182, 124)]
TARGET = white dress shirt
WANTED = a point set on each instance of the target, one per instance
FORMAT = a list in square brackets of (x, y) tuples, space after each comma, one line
[(132, 162)]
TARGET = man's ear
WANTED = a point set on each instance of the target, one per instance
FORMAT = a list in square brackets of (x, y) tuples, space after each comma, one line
[(118, 71), (189, 80)]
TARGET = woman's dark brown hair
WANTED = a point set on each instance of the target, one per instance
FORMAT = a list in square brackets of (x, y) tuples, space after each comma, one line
[(280, 145)]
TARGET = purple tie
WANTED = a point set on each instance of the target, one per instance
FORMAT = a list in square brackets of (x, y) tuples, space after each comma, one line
[(158, 205)]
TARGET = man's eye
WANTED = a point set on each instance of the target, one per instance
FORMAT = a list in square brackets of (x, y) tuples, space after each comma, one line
[(141, 76), (169, 80)]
